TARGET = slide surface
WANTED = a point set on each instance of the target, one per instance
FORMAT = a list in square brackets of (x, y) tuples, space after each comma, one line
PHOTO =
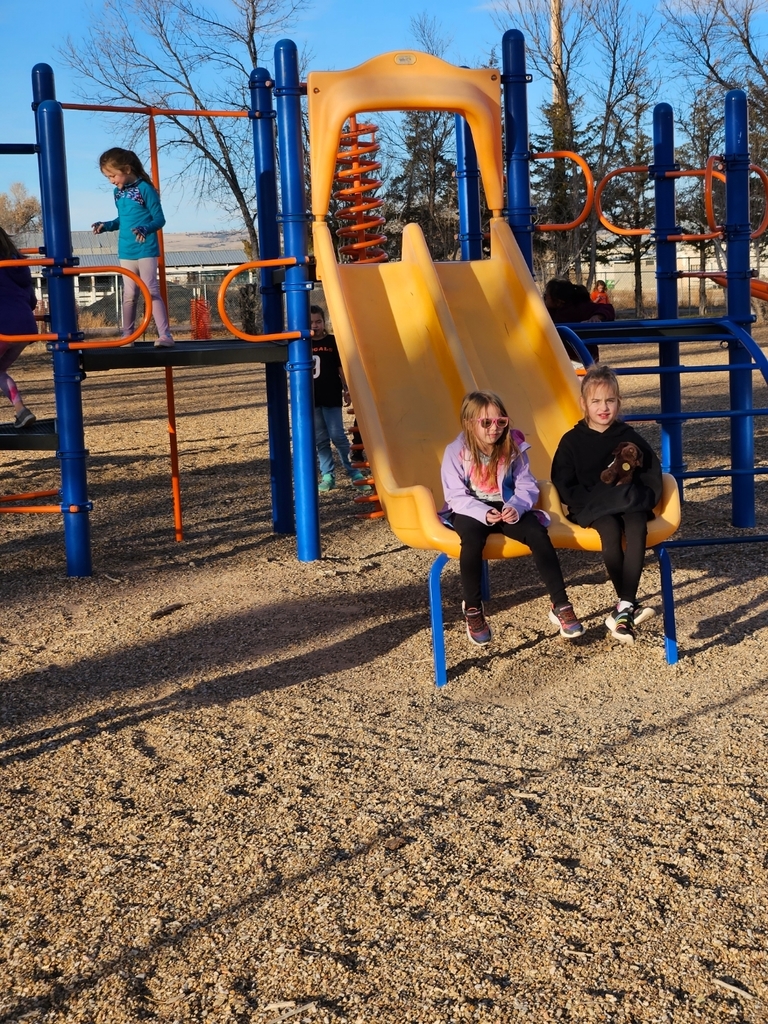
[(414, 338)]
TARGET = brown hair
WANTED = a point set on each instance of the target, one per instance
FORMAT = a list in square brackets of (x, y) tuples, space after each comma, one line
[(596, 376), (504, 450), (124, 160), (8, 250)]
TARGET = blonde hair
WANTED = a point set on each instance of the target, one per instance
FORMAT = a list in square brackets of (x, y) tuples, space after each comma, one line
[(124, 160), (8, 250), (598, 375), (504, 449)]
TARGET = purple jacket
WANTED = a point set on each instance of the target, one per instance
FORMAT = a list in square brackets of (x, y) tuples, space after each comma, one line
[(517, 483), (17, 300)]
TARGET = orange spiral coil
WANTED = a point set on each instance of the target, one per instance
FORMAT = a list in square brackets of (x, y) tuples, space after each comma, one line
[(362, 238)]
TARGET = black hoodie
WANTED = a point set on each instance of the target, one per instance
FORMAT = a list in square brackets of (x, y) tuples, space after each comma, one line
[(582, 455)]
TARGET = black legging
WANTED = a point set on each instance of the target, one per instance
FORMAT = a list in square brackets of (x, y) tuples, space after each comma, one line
[(529, 531), (624, 566)]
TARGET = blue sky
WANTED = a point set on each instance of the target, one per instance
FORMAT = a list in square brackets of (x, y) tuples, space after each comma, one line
[(337, 33)]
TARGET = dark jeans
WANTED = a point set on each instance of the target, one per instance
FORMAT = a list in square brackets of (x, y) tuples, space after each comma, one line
[(624, 566), (529, 531)]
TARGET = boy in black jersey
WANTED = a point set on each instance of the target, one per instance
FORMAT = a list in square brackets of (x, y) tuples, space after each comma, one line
[(331, 394)]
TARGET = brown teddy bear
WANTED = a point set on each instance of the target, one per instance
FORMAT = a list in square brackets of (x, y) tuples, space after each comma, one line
[(627, 458)]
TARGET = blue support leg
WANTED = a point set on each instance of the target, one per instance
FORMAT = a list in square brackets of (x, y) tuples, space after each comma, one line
[(262, 115), (485, 582), (668, 605), (288, 92), (67, 376), (436, 620)]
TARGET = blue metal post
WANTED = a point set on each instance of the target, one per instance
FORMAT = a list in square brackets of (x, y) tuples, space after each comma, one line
[(436, 620), (263, 121), (43, 88), (738, 273), (668, 604), (468, 183), (520, 213), (666, 285), (288, 93), (67, 375)]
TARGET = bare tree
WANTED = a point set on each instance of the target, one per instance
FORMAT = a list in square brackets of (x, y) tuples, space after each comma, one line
[(19, 211), (422, 185), (597, 60), (178, 54)]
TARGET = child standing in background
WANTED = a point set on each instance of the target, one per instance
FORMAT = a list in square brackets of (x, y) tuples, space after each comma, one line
[(139, 218), (331, 395), (616, 512), (600, 293), (17, 300), (489, 488)]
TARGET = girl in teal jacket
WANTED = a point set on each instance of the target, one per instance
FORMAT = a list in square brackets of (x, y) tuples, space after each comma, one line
[(139, 218)]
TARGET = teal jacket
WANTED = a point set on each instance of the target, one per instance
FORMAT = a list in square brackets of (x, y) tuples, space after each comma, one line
[(138, 206)]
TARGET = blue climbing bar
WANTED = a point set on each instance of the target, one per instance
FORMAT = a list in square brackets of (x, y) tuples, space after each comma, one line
[(738, 273), (468, 186), (288, 92), (666, 286), (262, 115), (67, 375), (515, 81)]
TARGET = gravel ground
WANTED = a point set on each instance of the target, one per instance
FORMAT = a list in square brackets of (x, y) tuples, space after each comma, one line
[(230, 792)]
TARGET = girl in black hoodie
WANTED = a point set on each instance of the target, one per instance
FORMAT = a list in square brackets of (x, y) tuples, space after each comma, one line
[(613, 510)]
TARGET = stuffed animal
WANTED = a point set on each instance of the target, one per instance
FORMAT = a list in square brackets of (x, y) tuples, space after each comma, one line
[(627, 458)]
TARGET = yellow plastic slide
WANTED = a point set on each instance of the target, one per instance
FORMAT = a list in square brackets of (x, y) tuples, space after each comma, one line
[(414, 338)]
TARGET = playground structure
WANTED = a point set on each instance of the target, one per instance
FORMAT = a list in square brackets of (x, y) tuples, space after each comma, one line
[(416, 335)]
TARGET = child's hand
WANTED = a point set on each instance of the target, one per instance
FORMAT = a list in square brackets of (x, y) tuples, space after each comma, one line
[(509, 514), (140, 233), (345, 396), (492, 516), (97, 227)]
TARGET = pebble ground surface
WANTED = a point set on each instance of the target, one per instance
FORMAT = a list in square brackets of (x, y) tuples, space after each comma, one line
[(229, 791)]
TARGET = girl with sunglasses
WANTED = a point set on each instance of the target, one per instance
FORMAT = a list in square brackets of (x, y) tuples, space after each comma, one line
[(489, 488)]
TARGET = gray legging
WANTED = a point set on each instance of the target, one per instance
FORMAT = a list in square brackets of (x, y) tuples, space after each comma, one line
[(146, 269)]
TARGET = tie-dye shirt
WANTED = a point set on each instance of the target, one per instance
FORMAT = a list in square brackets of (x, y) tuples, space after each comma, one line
[(138, 206)]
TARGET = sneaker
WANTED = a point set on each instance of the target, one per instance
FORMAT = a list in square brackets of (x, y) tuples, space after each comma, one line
[(24, 419), (327, 483), (621, 626), (165, 343), (641, 614), (565, 617), (357, 474), (478, 630)]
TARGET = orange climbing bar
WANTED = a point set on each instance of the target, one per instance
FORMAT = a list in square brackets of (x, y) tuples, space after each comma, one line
[(74, 272), (589, 181), (288, 261), (41, 261), (154, 111), (614, 228), (113, 342)]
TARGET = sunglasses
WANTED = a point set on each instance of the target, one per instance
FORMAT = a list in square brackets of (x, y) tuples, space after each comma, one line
[(486, 422)]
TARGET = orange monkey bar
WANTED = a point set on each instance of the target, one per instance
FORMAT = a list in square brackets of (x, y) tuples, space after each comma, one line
[(588, 180), (288, 261)]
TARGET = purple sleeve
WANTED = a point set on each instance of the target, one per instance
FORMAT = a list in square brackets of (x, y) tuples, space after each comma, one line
[(526, 488), (457, 496)]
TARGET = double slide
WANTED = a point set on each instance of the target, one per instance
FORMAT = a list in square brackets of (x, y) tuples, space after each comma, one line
[(415, 337)]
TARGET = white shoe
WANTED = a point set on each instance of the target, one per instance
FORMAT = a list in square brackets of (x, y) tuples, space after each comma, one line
[(165, 343)]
